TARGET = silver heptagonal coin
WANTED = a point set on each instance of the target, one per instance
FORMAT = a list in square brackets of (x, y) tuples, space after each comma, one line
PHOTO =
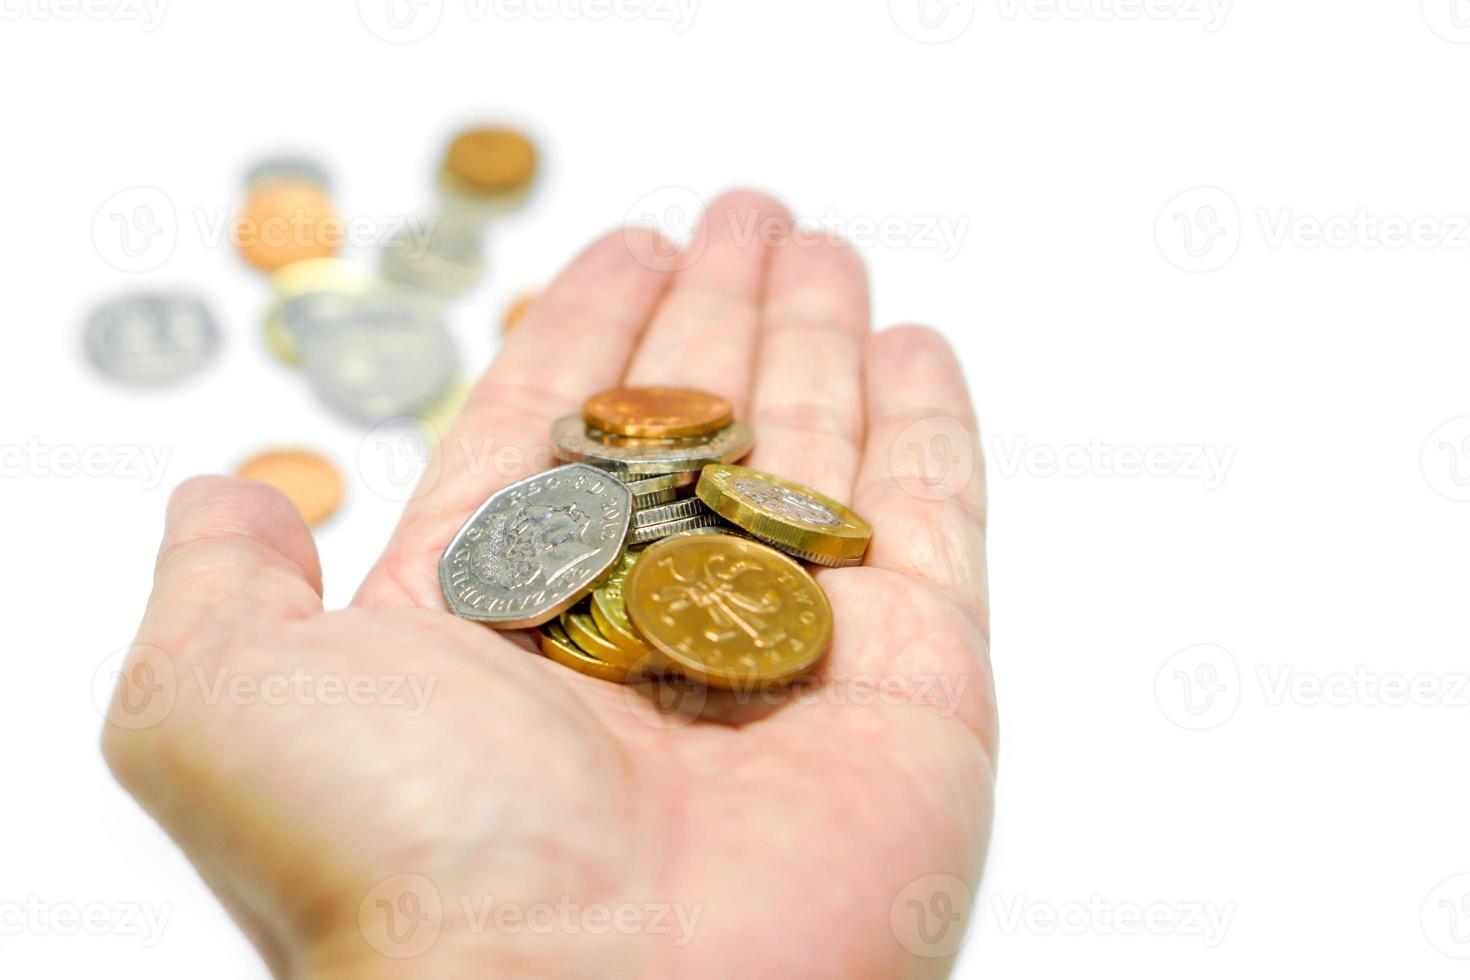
[(636, 458), (536, 547), (151, 338)]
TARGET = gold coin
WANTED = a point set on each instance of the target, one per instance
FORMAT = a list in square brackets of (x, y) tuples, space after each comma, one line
[(491, 161), (611, 614), (657, 413), (516, 311), (309, 481), (558, 646), (287, 221), (582, 628), (794, 518), (727, 611)]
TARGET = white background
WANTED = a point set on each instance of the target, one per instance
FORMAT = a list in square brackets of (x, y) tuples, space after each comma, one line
[(1329, 551)]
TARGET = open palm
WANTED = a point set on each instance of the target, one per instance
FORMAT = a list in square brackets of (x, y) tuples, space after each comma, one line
[(469, 809)]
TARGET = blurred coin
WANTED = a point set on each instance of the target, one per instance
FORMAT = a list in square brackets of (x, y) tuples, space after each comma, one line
[(582, 628), (657, 412), (728, 611), (656, 532), (308, 480), (378, 355), (288, 168), (493, 161), (515, 311), (676, 511), (572, 441), (794, 518), (536, 547), (285, 221), (441, 256), (151, 338), (558, 646)]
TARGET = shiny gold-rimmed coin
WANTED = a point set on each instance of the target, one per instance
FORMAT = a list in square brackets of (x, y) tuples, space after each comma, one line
[(282, 222), (656, 412), (794, 518), (582, 628), (611, 614), (308, 480), (728, 612), (558, 646), (491, 161)]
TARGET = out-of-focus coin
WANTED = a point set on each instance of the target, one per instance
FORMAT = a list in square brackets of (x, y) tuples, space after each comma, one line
[(284, 221), (308, 480), (657, 413), (299, 279), (558, 646), (794, 518), (288, 168), (380, 355), (515, 311), (611, 614), (151, 338), (572, 441), (728, 611), (662, 513), (536, 547), (492, 161), (655, 532), (438, 255)]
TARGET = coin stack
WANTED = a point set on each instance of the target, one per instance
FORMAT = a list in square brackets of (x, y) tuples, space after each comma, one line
[(649, 553)]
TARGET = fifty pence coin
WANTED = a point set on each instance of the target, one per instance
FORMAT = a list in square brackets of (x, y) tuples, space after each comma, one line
[(536, 547), (381, 356), (644, 458), (151, 338)]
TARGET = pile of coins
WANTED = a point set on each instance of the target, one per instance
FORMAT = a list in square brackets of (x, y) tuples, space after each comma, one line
[(649, 553)]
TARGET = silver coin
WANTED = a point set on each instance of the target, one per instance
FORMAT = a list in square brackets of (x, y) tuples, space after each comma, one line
[(438, 255), (536, 547), (643, 501), (637, 458), (669, 512), (288, 167), (657, 532), (151, 338), (378, 355), (668, 481)]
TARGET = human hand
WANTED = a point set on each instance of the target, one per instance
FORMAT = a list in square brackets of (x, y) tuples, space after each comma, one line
[(364, 840)]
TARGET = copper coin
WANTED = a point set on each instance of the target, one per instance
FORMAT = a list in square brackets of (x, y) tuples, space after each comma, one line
[(657, 413), (284, 221), (308, 480), (491, 161)]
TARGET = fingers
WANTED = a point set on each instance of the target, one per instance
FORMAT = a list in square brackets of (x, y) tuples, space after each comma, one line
[(922, 482), (807, 405), (235, 553), (575, 340), (704, 333)]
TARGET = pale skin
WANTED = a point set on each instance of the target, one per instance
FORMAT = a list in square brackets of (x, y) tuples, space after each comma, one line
[(783, 830)]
